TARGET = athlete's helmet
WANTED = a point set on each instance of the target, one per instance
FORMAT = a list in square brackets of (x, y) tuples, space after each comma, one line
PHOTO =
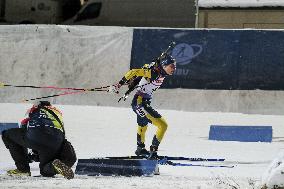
[(45, 103), (42, 103), (36, 105), (168, 59)]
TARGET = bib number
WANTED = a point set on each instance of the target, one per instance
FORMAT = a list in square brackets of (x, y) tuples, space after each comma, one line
[(140, 111)]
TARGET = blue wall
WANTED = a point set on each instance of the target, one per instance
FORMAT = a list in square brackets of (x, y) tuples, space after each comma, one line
[(6, 126), (240, 133), (216, 59)]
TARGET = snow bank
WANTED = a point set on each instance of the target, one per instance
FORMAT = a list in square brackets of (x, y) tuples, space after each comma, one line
[(274, 175)]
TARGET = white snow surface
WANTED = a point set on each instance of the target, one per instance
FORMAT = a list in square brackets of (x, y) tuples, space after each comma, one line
[(274, 175), (111, 131), (240, 3)]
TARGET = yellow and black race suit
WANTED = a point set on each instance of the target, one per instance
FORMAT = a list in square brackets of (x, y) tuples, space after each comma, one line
[(151, 79)]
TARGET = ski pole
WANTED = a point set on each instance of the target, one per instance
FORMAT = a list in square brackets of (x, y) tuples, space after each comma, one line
[(53, 87), (61, 94), (51, 96)]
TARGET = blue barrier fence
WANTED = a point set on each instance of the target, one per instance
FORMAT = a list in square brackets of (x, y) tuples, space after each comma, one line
[(241, 133), (5, 126), (216, 59)]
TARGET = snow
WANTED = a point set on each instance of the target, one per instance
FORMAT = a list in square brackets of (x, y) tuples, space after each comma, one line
[(274, 175), (240, 3), (111, 131)]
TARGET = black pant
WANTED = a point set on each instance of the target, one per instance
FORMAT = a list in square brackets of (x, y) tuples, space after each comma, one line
[(47, 141)]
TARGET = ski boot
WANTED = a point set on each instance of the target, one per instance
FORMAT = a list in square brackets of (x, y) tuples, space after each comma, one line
[(141, 151), (153, 153), (62, 169), (16, 172)]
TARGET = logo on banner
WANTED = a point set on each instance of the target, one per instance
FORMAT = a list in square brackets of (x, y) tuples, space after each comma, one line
[(184, 53)]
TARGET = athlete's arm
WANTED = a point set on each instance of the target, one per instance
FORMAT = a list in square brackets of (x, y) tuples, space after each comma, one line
[(133, 73)]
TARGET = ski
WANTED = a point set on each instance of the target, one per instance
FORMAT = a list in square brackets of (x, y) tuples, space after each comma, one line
[(171, 158), (190, 158), (193, 165)]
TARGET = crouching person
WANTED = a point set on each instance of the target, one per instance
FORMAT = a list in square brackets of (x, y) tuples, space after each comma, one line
[(43, 132)]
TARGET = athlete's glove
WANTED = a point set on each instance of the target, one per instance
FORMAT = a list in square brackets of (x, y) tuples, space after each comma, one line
[(24, 123), (1, 84), (114, 88)]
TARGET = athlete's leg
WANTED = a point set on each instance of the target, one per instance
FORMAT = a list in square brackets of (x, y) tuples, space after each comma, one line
[(161, 125), (141, 131), (142, 122), (156, 119), (48, 142), (145, 113), (15, 141)]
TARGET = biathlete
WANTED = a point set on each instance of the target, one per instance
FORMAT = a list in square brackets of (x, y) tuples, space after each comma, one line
[(146, 80)]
